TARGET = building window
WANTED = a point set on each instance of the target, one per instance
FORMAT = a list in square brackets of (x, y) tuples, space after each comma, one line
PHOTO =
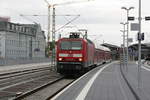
[(10, 26), (25, 29), (13, 26), (17, 28), (22, 28), (2, 25)]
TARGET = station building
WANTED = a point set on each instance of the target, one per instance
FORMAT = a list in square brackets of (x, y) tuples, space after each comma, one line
[(21, 40)]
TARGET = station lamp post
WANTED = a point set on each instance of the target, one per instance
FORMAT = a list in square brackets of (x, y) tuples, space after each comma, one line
[(127, 9), (123, 31), (139, 42)]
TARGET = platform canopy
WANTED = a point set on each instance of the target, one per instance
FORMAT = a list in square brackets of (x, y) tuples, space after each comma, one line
[(143, 46), (114, 50), (145, 50), (110, 46)]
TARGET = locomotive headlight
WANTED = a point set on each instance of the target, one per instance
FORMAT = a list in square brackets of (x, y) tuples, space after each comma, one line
[(80, 59), (60, 59)]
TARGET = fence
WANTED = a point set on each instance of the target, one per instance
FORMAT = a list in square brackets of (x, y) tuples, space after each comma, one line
[(4, 62)]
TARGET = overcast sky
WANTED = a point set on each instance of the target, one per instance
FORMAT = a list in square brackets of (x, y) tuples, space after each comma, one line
[(101, 17)]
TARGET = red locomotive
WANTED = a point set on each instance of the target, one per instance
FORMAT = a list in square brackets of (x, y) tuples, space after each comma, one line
[(76, 54)]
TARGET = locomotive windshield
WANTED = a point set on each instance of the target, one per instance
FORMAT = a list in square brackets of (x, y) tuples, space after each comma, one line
[(71, 45)]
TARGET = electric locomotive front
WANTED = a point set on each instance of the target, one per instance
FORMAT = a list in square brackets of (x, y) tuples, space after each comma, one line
[(70, 55)]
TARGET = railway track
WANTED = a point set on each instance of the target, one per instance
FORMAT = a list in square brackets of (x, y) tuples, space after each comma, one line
[(15, 84), (40, 85), (46, 91), (23, 72)]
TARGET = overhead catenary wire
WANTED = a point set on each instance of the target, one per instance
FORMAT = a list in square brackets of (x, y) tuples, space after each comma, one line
[(81, 17), (67, 23)]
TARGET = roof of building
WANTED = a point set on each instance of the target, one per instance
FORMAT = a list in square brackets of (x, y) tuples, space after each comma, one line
[(27, 29), (6, 19)]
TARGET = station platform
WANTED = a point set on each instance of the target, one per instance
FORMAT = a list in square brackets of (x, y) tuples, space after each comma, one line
[(22, 67), (140, 85), (102, 83)]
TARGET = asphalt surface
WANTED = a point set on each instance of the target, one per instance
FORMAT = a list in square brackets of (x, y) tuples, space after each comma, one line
[(104, 83)]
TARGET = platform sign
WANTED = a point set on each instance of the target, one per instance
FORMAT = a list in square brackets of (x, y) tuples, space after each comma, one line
[(131, 18), (134, 26), (147, 18)]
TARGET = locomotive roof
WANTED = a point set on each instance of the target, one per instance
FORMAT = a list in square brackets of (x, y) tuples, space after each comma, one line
[(77, 39), (70, 39)]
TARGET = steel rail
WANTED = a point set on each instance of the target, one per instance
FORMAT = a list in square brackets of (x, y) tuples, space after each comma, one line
[(18, 73), (37, 89), (51, 96)]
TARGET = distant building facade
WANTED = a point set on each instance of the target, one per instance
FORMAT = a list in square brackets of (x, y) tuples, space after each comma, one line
[(133, 51), (21, 40)]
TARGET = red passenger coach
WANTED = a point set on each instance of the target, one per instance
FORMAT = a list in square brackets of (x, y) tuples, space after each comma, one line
[(74, 54), (102, 55)]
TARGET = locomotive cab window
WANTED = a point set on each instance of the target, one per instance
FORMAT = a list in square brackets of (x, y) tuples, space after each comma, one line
[(71, 45)]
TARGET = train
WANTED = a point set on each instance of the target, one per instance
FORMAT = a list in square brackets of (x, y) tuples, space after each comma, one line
[(75, 54)]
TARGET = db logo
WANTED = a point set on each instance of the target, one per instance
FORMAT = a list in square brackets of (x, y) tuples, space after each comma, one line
[(70, 55)]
